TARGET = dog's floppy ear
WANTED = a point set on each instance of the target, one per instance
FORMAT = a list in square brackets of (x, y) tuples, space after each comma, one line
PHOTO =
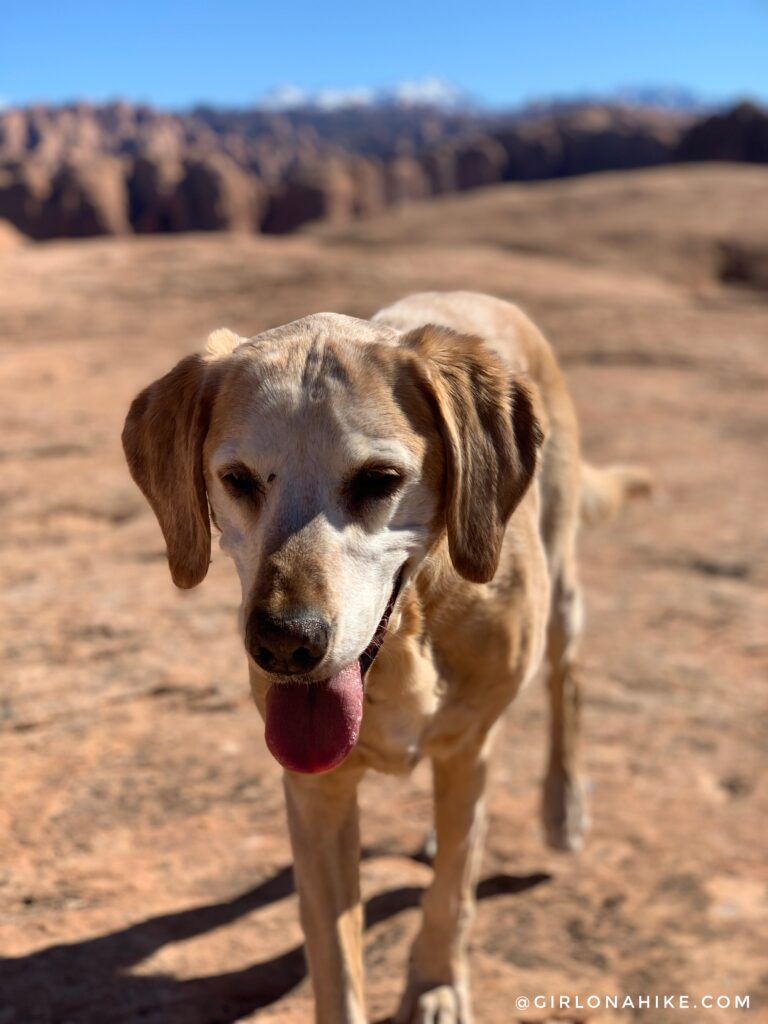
[(163, 443), (490, 435)]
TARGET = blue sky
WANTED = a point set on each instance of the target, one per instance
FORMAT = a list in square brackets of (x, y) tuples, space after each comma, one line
[(231, 52)]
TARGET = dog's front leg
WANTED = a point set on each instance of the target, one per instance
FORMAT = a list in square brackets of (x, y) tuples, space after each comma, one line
[(438, 982), (323, 823)]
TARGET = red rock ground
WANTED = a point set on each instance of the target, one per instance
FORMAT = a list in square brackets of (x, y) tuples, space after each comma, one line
[(145, 873)]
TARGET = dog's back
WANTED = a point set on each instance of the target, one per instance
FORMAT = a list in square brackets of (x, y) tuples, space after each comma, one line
[(571, 489)]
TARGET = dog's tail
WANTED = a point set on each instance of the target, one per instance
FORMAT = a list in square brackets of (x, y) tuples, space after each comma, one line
[(606, 489)]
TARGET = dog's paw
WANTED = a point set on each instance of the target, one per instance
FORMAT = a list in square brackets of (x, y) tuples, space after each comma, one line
[(565, 812), (442, 1004)]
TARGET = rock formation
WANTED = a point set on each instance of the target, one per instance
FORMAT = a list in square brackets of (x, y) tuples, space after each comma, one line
[(87, 170)]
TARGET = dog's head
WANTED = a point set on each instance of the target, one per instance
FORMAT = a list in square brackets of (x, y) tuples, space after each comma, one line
[(334, 454)]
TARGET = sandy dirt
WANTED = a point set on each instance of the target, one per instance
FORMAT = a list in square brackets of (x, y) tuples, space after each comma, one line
[(145, 870)]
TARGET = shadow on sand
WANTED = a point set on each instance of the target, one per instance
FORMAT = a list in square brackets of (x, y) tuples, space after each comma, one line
[(86, 982)]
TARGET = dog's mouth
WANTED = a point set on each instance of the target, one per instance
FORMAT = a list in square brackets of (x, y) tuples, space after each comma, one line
[(312, 727)]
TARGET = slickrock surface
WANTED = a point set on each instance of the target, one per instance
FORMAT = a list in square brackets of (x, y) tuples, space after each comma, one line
[(145, 873)]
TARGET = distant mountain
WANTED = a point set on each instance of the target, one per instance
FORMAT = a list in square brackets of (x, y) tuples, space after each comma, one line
[(669, 99), (662, 98), (83, 169), (440, 94), (433, 92)]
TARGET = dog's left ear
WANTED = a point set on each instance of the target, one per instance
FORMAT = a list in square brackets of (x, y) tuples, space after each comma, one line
[(163, 442), (491, 436)]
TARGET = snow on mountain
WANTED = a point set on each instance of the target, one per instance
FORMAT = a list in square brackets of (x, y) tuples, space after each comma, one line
[(425, 92), (441, 94)]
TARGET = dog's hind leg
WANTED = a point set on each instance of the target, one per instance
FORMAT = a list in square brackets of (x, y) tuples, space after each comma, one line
[(572, 491), (564, 802), (323, 822)]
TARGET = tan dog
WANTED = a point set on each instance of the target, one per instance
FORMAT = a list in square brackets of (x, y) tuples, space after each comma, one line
[(364, 476)]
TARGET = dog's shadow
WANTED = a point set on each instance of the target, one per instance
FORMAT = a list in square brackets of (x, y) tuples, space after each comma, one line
[(86, 982)]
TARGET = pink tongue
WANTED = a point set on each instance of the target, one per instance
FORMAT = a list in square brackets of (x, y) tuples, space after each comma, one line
[(311, 727)]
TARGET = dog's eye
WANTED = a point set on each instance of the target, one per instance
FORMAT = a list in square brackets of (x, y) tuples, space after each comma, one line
[(374, 485), (241, 484)]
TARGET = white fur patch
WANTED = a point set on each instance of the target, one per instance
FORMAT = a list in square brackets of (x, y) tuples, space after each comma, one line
[(222, 342)]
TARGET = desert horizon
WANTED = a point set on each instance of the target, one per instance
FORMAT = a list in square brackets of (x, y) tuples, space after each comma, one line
[(82, 170)]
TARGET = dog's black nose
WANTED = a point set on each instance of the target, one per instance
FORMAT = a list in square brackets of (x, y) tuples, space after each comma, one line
[(287, 645)]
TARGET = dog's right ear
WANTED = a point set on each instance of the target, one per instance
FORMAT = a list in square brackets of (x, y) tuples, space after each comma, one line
[(491, 438), (163, 441)]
